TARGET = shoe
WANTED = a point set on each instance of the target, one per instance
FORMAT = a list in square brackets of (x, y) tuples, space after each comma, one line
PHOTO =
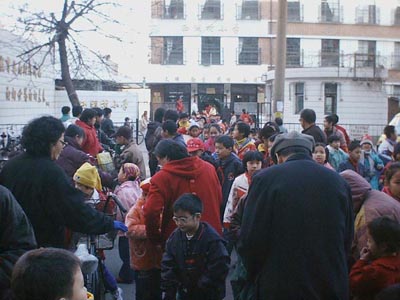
[(117, 294), (123, 281)]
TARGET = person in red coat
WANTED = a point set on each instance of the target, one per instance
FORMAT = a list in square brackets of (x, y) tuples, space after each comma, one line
[(379, 263), (179, 174), (91, 144)]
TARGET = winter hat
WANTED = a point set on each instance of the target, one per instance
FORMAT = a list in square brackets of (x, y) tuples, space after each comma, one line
[(292, 139), (131, 170), (145, 185), (366, 139), (88, 175), (194, 145)]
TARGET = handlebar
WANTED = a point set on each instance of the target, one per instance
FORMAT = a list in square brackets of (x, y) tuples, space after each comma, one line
[(118, 202)]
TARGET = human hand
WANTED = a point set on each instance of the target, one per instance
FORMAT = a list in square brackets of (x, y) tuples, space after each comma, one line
[(365, 254), (120, 226)]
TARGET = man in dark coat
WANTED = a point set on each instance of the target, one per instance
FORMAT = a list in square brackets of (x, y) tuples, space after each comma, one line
[(307, 121), (297, 226), (16, 237)]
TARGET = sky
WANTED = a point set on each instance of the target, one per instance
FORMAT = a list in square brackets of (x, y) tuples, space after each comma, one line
[(132, 30)]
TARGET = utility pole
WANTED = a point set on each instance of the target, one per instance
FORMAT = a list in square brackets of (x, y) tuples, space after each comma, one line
[(280, 58)]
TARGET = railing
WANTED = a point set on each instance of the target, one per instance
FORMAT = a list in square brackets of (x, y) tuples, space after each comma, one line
[(248, 57), (295, 59), (396, 16), (171, 12), (395, 61), (160, 56), (368, 15), (329, 13), (249, 10), (211, 57), (211, 10), (295, 12)]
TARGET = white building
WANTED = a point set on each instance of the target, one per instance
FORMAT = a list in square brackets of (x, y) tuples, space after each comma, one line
[(342, 56)]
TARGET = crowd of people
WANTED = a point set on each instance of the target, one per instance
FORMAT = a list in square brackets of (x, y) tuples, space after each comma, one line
[(280, 215)]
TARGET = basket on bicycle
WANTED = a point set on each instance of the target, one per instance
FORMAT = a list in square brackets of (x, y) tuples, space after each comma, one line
[(108, 207)]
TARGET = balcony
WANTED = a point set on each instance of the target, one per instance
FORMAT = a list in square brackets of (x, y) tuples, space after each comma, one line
[(395, 61), (295, 59), (396, 16), (209, 57), (169, 12), (248, 57), (295, 12), (249, 10), (211, 10), (329, 13), (368, 15)]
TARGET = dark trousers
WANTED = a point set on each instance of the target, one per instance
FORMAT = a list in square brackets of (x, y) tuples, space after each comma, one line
[(125, 273), (148, 284)]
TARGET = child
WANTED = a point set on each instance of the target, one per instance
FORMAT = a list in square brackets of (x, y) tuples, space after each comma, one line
[(128, 192), (321, 155), (392, 181), (183, 123), (195, 263), (242, 141), (145, 256), (229, 166), (269, 130), (252, 162), (353, 162), (336, 155), (214, 132), (371, 161), (194, 131), (379, 263)]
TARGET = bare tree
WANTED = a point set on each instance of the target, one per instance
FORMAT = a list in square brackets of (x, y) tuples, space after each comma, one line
[(62, 35)]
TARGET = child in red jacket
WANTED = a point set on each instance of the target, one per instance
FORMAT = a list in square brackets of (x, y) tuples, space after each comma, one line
[(379, 263)]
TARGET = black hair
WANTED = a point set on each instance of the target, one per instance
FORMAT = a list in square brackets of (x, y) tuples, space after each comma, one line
[(216, 126), (170, 149), (335, 119), (74, 130), (333, 138), (269, 129), (45, 274), (279, 121), (171, 114), (308, 115), (385, 231), (354, 145), (99, 111), (107, 111), (170, 127), (126, 119), (225, 140), (243, 128), (329, 119), (65, 110), (250, 156), (188, 203), (294, 150), (159, 114), (40, 134), (183, 115), (389, 130), (87, 115), (391, 170), (77, 110), (325, 149)]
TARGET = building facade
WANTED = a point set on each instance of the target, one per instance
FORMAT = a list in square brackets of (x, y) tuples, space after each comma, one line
[(342, 56)]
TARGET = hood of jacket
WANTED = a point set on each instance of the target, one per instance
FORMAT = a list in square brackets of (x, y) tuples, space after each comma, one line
[(359, 188), (189, 167)]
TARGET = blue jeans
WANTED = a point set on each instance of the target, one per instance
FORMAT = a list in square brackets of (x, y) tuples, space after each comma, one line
[(125, 273)]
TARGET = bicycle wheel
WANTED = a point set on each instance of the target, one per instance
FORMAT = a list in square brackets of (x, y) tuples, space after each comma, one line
[(140, 138), (99, 291)]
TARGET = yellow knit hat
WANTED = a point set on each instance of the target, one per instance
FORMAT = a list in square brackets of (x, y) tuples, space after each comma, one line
[(88, 175)]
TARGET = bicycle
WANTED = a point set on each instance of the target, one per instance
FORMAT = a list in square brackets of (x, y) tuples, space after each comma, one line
[(137, 135)]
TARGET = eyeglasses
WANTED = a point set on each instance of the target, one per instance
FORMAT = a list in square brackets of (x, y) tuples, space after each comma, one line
[(63, 143), (182, 220)]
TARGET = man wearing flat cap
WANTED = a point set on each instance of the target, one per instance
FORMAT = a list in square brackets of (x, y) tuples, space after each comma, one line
[(297, 226)]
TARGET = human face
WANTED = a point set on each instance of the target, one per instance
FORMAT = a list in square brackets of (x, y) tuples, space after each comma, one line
[(92, 121), (236, 134), (327, 125), (253, 166), (206, 133), (194, 132), (319, 155), (79, 140), (79, 291), (88, 191), (335, 144), (394, 184), (374, 250), (214, 132), (366, 147), (302, 123), (120, 140), (187, 222), (121, 175), (221, 151), (393, 136), (162, 161), (355, 154), (56, 149)]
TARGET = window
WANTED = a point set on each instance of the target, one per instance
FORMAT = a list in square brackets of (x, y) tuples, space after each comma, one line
[(173, 91), (211, 95), (211, 10), (173, 9), (396, 56), (249, 10), (248, 51), (366, 54), (367, 14), (210, 51), (293, 11), (173, 50), (298, 97), (330, 94), (396, 17), (330, 11), (293, 52), (396, 91), (329, 53)]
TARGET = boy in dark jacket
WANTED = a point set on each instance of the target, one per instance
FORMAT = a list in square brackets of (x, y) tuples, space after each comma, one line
[(196, 262)]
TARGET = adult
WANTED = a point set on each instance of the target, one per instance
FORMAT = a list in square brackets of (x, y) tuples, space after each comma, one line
[(65, 110), (368, 204), (43, 190), (330, 129), (91, 144), (144, 121), (16, 237), (233, 119), (179, 104), (340, 128), (180, 173), (130, 151), (76, 113), (279, 122), (170, 132), (307, 122), (245, 117), (297, 226), (194, 108), (107, 124), (386, 149), (106, 142)]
